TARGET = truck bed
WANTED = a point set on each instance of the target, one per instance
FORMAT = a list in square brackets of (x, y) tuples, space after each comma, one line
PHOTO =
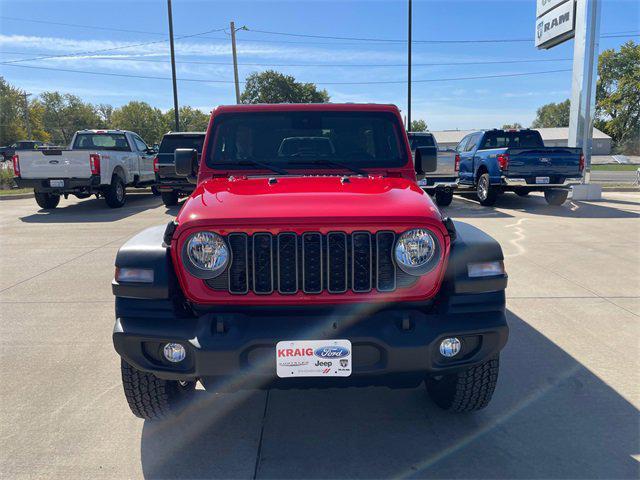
[(55, 163), (540, 161)]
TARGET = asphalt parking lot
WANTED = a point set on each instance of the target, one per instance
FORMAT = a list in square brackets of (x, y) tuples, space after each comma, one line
[(566, 405)]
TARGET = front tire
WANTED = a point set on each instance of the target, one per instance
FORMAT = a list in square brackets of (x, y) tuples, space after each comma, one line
[(115, 194), (170, 199), (486, 193), (444, 197), (152, 398), (556, 197), (47, 201), (468, 390)]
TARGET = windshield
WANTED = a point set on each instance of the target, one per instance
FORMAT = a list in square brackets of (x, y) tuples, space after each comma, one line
[(530, 139), (416, 141), (292, 140), (101, 141), (171, 142)]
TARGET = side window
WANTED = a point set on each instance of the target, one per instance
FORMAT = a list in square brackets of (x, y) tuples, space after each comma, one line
[(140, 145), (462, 144), (473, 142)]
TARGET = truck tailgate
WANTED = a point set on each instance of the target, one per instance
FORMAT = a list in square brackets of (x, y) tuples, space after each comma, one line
[(54, 164), (547, 161)]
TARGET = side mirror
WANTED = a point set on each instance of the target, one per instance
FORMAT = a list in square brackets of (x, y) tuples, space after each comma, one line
[(426, 160), (186, 160)]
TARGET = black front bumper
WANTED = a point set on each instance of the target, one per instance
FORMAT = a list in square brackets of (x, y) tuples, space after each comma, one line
[(71, 185), (235, 349)]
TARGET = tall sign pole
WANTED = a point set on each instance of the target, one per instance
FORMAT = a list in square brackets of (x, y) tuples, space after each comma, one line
[(173, 70), (583, 84), (556, 22), (409, 73)]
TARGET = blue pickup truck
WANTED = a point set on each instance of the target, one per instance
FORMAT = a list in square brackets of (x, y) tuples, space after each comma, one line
[(497, 161)]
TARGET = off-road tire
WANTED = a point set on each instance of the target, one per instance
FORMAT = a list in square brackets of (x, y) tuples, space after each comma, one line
[(116, 194), (444, 198), (152, 398), (170, 199), (522, 193), (486, 193), (556, 197), (47, 201), (465, 391)]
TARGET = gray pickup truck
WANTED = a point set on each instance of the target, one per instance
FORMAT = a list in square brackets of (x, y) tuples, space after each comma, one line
[(441, 183)]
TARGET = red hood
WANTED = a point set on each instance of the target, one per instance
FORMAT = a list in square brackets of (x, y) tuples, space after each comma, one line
[(307, 199)]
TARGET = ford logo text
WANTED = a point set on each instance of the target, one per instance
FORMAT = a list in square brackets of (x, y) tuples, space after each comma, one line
[(331, 352)]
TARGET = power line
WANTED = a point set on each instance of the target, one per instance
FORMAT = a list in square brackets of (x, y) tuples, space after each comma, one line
[(90, 27), (122, 47), (380, 82), (618, 34), (268, 64), (403, 41)]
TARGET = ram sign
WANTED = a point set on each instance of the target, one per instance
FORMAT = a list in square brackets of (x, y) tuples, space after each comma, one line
[(556, 25)]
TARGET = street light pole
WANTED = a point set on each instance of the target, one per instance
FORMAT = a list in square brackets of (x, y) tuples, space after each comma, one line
[(409, 74), (173, 69), (235, 60)]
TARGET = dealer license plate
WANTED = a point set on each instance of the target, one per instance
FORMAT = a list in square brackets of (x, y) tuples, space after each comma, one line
[(56, 183), (313, 358), (542, 179)]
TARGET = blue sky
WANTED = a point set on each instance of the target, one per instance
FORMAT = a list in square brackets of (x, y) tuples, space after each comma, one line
[(480, 103)]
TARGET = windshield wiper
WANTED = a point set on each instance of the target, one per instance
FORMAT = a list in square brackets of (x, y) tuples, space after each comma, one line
[(327, 162), (253, 163)]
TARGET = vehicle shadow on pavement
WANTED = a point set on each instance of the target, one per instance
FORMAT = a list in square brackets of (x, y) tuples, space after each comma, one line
[(536, 205), (92, 210), (550, 418)]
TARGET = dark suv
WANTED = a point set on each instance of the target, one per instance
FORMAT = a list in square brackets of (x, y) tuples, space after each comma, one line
[(170, 185)]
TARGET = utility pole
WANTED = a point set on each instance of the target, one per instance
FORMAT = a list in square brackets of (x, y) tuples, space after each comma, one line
[(173, 69), (409, 74), (235, 60), (27, 121)]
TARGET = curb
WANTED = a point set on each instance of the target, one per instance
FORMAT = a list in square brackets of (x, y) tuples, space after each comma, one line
[(16, 197), (621, 189)]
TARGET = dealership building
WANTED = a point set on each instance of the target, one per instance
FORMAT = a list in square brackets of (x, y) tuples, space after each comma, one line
[(553, 137)]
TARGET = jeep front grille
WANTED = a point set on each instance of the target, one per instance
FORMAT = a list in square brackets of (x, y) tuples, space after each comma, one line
[(313, 263)]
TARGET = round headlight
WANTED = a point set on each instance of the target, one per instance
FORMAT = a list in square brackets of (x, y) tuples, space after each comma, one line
[(415, 251), (206, 254)]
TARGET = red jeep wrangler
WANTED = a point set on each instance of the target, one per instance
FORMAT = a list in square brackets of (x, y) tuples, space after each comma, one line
[(308, 256)]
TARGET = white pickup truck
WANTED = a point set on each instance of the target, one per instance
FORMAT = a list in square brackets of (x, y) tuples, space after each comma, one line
[(98, 162)]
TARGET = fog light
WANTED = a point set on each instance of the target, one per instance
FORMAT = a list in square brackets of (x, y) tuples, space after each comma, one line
[(450, 347), (174, 352)]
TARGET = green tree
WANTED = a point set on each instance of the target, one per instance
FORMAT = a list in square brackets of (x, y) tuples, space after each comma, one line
[(418, 126), (512, 126), (36, 121), (11, 114), (191, 119), (142, 118), (618, 96), (274, 87), (63, 114), (105, 112), (552, 115)]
